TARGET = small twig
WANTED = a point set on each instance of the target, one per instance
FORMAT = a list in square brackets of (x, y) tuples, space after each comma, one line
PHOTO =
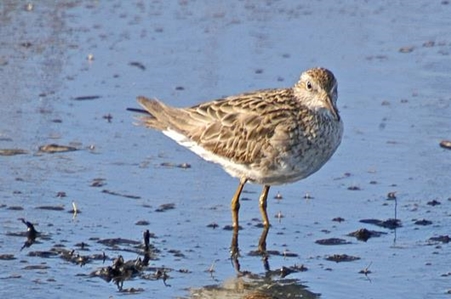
[(211, 270), (74, 206), (366, 271), (396, 219)]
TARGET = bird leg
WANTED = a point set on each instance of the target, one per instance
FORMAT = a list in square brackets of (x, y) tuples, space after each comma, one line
[(262, 242), (263, 204), (235, 206)]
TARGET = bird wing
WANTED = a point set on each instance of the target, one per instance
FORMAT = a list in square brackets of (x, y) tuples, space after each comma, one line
[(244, 128)]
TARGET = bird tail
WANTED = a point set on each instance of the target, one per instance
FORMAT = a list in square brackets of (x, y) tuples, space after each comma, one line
[(160, 116)]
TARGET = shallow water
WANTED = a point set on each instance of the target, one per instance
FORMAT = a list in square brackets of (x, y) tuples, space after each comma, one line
[(68, 71)]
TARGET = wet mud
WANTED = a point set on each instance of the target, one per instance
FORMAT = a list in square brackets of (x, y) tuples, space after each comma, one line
[(93, 206)]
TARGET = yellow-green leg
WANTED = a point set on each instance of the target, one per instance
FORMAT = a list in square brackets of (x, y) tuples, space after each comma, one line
[(263, 204), (235, 206), (262, 242)]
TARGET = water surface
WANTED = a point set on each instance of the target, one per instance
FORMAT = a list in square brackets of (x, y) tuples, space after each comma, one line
[(69, 70)]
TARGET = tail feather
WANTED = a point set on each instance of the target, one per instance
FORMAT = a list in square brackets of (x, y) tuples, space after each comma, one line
[(161, 116)]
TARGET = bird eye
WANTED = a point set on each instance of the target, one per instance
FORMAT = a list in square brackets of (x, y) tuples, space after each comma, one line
[(308, 85)]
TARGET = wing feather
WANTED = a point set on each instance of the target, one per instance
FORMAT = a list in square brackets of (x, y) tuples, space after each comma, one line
[(241, 128)]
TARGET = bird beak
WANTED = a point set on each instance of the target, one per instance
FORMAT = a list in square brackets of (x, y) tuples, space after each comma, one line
[(331, 107)]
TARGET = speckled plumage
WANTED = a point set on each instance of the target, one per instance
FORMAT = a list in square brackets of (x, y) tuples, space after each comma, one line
[(269, 137)]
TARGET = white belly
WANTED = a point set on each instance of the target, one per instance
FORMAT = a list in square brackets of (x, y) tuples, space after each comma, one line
[(288, 169)]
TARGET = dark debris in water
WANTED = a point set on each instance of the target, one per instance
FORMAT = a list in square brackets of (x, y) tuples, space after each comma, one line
[(7, 257), (142, 222), (98, 182), (87, 98), (445, 239), (364, 234), (354, 188), (389, 223), (285, 271), (82, 245), (172, 165), (165, 207), (273, 253), (429, 44), (138, 65), (423, 222), (366, 270), (391, 195), (36, 267), (332, 241), (113, 242), (176, 253), (434, 203), (75, 257), (288, 254), (277, 273), (12, 151), (119, 270), (122, 270), (406, 49), (61, 194), (213, 225), (338, 219), (15, 208), (120, 194), (50, 208), (338, 258), (132, 290), (43, 253), (56, 148), (108, 117), (132, 245)]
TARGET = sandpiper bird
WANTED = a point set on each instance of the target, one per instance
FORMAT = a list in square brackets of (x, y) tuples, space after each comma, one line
[(268, 137)]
